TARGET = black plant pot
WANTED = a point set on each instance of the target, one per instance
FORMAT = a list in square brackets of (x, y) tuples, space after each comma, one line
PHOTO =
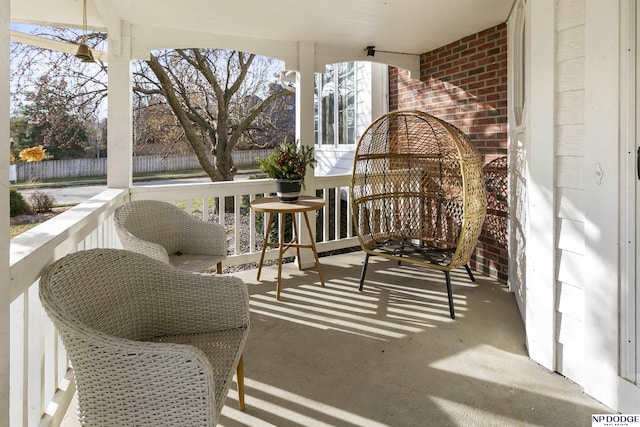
[(288, 191)]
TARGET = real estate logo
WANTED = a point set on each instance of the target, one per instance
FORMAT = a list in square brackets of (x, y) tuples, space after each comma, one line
[(615, 420)]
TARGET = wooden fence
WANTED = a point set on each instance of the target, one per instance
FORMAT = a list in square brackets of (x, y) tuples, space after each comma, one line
[(54, 169)]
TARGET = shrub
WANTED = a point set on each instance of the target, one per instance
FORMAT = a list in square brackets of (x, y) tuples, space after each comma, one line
[(42, 202), (17, 204)]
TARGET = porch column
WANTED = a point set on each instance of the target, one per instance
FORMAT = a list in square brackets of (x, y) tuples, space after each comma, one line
[(601, 188), (304, 132), (540, 249), (120, 113), (5, 280)]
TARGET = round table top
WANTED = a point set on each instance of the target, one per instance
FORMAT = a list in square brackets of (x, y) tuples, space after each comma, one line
[(274, 205)]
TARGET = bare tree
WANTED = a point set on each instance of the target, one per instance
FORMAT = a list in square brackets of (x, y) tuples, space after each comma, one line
[(155, 128), (216, 96), (219, 98), (86, 83)]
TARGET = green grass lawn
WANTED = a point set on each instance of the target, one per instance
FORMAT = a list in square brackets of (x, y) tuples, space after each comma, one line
[(15, 230), (21, 228)]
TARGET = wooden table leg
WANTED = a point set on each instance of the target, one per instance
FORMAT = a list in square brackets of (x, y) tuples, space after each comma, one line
[(280, 254), (264, 244), (313, 247)]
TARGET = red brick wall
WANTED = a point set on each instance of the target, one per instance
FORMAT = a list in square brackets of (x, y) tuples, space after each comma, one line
[(465, 84)]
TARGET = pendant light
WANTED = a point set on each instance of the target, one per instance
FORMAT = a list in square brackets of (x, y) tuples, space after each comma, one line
[(84, 52)]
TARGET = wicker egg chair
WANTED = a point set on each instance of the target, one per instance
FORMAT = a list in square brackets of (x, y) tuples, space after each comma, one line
[(418, 193)]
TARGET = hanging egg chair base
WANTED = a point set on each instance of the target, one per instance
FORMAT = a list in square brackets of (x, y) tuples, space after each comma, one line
[(419, 254)]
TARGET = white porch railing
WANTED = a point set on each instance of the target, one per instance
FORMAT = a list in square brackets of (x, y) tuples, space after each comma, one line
[(40, 389), (41, 386), (234, 198)]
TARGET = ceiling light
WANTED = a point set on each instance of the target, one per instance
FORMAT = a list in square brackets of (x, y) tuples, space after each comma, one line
[(84, 52)]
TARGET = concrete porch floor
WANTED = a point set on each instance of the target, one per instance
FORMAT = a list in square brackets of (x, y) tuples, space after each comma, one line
[(391, 356)]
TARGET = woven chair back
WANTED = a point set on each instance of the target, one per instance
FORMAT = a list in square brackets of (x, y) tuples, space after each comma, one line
[(108, 291), (153, 221), (417, 178)]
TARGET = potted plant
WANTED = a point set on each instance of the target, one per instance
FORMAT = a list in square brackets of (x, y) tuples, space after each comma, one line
[(288, 165)]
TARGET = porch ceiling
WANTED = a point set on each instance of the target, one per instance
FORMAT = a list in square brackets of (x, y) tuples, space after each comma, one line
[(410, 26)]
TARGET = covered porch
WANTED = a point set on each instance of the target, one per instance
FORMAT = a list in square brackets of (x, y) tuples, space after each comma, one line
[(391, 355), (34, 372)]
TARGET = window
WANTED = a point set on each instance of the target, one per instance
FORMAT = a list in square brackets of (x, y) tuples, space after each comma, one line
[(335, 105)]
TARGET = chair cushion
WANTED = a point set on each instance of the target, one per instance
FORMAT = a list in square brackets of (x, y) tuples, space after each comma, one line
[(197, 263)]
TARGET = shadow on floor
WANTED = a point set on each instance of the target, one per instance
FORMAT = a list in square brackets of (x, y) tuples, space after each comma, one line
[(391, 356)]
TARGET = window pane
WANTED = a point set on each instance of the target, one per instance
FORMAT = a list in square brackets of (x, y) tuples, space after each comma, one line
[(316, 108), (346, 103), (328, 110)]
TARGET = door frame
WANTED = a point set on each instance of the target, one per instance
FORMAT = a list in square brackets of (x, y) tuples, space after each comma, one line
[(629, 122), (516, 152)]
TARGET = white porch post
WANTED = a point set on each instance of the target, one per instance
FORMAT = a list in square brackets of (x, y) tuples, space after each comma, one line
[(601, 185), (304, 132), (5, 280), (540, 249), (120, 113)]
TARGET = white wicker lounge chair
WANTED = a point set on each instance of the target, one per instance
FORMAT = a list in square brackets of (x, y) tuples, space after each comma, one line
[(166, 232), (149, 344)]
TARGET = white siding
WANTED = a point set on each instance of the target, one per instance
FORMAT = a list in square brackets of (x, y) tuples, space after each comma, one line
[(581, 74), (602, 188), (570, 165), (570, 204), (570, 139), (570, 14)]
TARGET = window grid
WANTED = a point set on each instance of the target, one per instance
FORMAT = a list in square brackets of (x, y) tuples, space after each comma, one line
[(335, 105)]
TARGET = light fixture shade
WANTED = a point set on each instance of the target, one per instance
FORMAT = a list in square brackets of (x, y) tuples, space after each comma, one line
[(84, 53)]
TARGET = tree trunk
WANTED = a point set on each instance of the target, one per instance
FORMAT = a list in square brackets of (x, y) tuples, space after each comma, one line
[(183, 119)]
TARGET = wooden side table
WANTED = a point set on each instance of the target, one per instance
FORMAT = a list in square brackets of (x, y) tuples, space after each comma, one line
[(272, 205)]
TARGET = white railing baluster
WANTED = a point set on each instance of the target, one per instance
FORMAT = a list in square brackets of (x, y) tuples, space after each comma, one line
[(325, 217), (222, 211), (18, 374), (35, 381), (236, 224), (50, 382), (252, 226), (336, 215), (349, 215)]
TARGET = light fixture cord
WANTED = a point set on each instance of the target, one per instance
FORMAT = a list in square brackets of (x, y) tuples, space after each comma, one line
[(84, 21)]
